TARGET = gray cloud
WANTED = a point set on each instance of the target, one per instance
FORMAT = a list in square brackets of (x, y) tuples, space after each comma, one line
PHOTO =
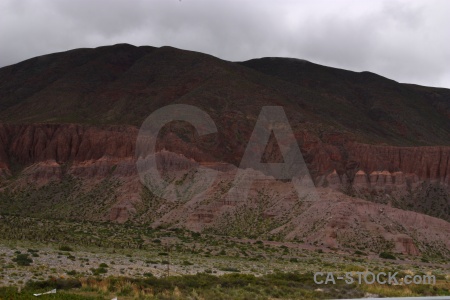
[(406, 40)]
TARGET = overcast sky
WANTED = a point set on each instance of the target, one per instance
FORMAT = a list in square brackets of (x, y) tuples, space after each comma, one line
[(408, 41)]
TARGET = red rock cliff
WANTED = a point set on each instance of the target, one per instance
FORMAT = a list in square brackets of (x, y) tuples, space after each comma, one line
[(91, 150)]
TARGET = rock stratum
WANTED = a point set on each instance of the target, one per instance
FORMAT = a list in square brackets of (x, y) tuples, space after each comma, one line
[(337, 161), (378, 151)]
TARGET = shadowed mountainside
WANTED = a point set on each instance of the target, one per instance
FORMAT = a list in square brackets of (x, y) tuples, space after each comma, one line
[(123, 84)]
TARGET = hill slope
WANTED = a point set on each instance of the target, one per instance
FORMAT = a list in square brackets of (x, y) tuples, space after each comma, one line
[(122, 84), (69, 122)]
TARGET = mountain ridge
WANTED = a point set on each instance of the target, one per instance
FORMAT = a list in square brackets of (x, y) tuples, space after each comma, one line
[(146, 78), (69, 122)]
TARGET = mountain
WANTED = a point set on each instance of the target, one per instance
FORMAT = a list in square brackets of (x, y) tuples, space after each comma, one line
[(378, 151), (122, 84)]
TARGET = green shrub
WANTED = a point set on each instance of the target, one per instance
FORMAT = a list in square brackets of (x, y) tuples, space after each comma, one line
[(387, 255), (99, 271), (23, 260), (230, 269), (71, 273), (53, 283), (65, 248)]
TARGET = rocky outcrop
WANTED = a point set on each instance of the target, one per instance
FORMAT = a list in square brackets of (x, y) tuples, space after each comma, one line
[(42, 172), (89, 151), (394, 165), (26, 144), (48, 150), (405, 245), (369, 167)]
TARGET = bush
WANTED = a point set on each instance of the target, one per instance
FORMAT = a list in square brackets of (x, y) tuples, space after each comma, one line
[(65, 248), (229, 269), (195, 235), (99, 271), (387, 255), (23, 260), (71, 273), (61, 284)]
